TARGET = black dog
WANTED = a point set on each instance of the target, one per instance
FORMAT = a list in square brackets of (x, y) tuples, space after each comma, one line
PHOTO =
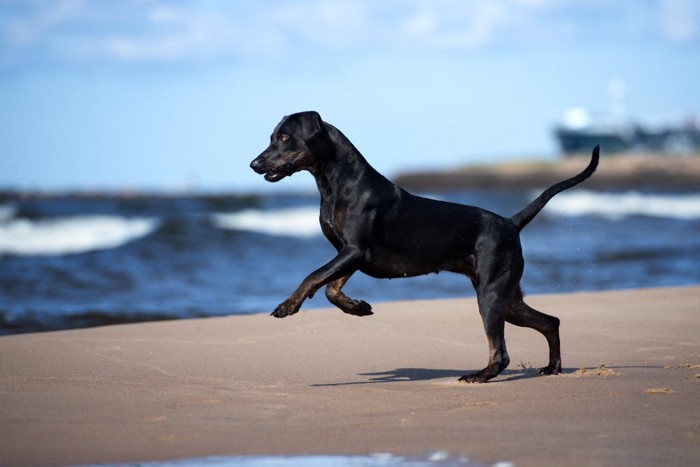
[(386, 232)]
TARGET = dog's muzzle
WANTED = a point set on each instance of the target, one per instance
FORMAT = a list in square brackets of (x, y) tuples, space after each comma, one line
[(272, 174)]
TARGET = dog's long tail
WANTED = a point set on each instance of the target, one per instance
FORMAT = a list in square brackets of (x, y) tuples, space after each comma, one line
[(524, 217)]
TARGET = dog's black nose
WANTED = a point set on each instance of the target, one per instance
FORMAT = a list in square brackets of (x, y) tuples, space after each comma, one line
[(255, 164)]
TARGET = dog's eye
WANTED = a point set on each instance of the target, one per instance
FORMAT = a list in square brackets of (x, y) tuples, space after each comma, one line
[(284, 138)]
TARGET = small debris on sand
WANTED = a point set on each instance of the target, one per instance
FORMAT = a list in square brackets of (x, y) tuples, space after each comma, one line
[(659, 391)]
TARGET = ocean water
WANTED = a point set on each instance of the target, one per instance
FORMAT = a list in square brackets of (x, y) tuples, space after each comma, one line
[(438, 458), (69, 262)]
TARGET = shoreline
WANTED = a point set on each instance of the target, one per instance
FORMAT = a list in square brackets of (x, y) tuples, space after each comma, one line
[(627, 171), (615, 172), (322, 382)]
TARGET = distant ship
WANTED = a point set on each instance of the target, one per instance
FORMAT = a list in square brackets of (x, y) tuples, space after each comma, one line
[(579, 132)]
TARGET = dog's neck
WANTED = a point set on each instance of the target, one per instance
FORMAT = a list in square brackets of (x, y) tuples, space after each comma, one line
[(341, 164)]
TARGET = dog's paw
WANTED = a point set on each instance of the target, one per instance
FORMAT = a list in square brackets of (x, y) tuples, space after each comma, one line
[(474, 378), (359, 308), (551, 370), (285, 309)]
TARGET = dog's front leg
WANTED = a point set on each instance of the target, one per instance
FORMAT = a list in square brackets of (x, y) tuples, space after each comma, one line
[(342, 301), (342, 265)]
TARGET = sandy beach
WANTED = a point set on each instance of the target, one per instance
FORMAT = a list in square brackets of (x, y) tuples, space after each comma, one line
[(323, 382)]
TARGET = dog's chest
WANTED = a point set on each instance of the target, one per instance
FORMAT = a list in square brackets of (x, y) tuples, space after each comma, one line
[(332, 221)]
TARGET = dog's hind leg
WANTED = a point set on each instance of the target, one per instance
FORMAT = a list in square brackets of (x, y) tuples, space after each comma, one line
[(495, 277), (521, 314), (493, 310), (498, 355), (342, 301)]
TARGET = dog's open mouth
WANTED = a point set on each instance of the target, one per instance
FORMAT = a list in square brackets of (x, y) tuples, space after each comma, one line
[(278, 173)]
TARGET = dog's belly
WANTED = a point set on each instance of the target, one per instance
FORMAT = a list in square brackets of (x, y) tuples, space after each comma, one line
[(384, 264), (385, 272)]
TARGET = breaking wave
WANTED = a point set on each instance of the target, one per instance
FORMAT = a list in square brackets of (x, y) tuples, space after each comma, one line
[(68, 235), (621, 205), (290, 222)]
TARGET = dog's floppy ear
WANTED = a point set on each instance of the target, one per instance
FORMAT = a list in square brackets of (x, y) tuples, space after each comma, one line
[(311, 125)]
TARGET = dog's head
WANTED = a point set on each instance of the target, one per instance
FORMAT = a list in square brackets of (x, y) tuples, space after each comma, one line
[(290, 147)]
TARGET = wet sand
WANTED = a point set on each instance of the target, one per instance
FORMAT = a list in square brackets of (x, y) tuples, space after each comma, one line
[(322, 382)]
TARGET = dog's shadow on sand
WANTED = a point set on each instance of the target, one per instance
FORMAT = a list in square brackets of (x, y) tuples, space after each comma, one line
[(428, 374)]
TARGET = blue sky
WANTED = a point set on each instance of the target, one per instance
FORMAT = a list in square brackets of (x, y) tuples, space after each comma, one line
[(183, 94)]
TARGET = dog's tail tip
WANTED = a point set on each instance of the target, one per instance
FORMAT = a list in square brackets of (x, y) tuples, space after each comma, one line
[(593, 165), (522, 218)]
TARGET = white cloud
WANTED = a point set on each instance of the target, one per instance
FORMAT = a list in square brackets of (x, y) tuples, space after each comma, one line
[(321, 24), (130, 31), (679, 20), (461, 25), (170, 35), (41, 19)]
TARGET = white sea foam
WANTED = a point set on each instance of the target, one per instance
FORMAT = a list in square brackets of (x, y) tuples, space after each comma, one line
[(621, 205), (70, 235), (290, 222)]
